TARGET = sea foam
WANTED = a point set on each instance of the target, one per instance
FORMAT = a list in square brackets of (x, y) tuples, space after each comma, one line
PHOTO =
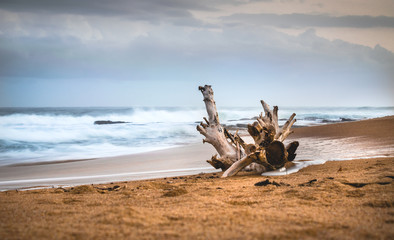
[(49, 134)]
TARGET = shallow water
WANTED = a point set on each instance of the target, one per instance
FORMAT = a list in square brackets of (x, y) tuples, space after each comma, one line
[(314, 151)]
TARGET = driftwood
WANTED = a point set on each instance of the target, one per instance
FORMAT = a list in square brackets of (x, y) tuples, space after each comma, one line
[(266, 154)]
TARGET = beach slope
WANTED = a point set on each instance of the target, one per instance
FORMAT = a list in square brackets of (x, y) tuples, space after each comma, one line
[(339, 199)]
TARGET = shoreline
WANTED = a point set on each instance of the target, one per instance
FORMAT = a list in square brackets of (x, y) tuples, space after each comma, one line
[(183, 160), (350, 199)]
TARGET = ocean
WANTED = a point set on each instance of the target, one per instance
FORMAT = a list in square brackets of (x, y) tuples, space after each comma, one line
[(30, 135)]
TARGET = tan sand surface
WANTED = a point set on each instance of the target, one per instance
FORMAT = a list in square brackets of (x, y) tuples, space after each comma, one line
[(338, 200), (327, 201), (375, 130)]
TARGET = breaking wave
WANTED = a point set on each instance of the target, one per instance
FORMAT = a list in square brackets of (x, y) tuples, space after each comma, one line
[(49, 134)]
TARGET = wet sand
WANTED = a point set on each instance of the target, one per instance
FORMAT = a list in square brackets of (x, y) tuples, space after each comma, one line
[(379, 130), (339, 199), (177, 161), (183, 160)]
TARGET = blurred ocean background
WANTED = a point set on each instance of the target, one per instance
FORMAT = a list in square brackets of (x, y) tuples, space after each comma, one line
[(51, 134)]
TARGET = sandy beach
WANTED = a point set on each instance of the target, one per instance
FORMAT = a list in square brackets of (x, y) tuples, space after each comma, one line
[(173, 119), (177, 161), (337, 200)]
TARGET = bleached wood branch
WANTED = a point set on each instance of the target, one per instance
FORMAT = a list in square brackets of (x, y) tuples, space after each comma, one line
[(267, 153)]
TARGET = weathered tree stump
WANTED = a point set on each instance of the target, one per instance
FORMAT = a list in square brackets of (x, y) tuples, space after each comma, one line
[(266, 154)]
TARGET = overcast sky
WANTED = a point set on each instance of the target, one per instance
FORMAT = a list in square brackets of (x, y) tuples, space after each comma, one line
[(157, 52)]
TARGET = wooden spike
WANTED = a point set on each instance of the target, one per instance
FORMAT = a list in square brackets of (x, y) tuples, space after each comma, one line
[(239, 140), (206, 120), (229, 135), (266, 107), (210, 104), (275, 113), (292, 122), (238, 152), (202, 130), (287, 123), (261, 122), (213, 131)]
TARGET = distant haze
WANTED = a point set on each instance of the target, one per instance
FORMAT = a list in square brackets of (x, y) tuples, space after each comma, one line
[(157, 52)]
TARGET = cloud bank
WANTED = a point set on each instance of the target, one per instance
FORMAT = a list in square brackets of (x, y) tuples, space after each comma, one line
[(166, 43)]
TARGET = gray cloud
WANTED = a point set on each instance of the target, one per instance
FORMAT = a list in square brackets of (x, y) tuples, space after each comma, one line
[(156, 57), (307, 20), (153, 11), (307, 65), (103, 7), (146, 41)]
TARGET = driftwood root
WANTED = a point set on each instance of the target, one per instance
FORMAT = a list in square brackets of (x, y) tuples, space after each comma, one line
[(265, 154)]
